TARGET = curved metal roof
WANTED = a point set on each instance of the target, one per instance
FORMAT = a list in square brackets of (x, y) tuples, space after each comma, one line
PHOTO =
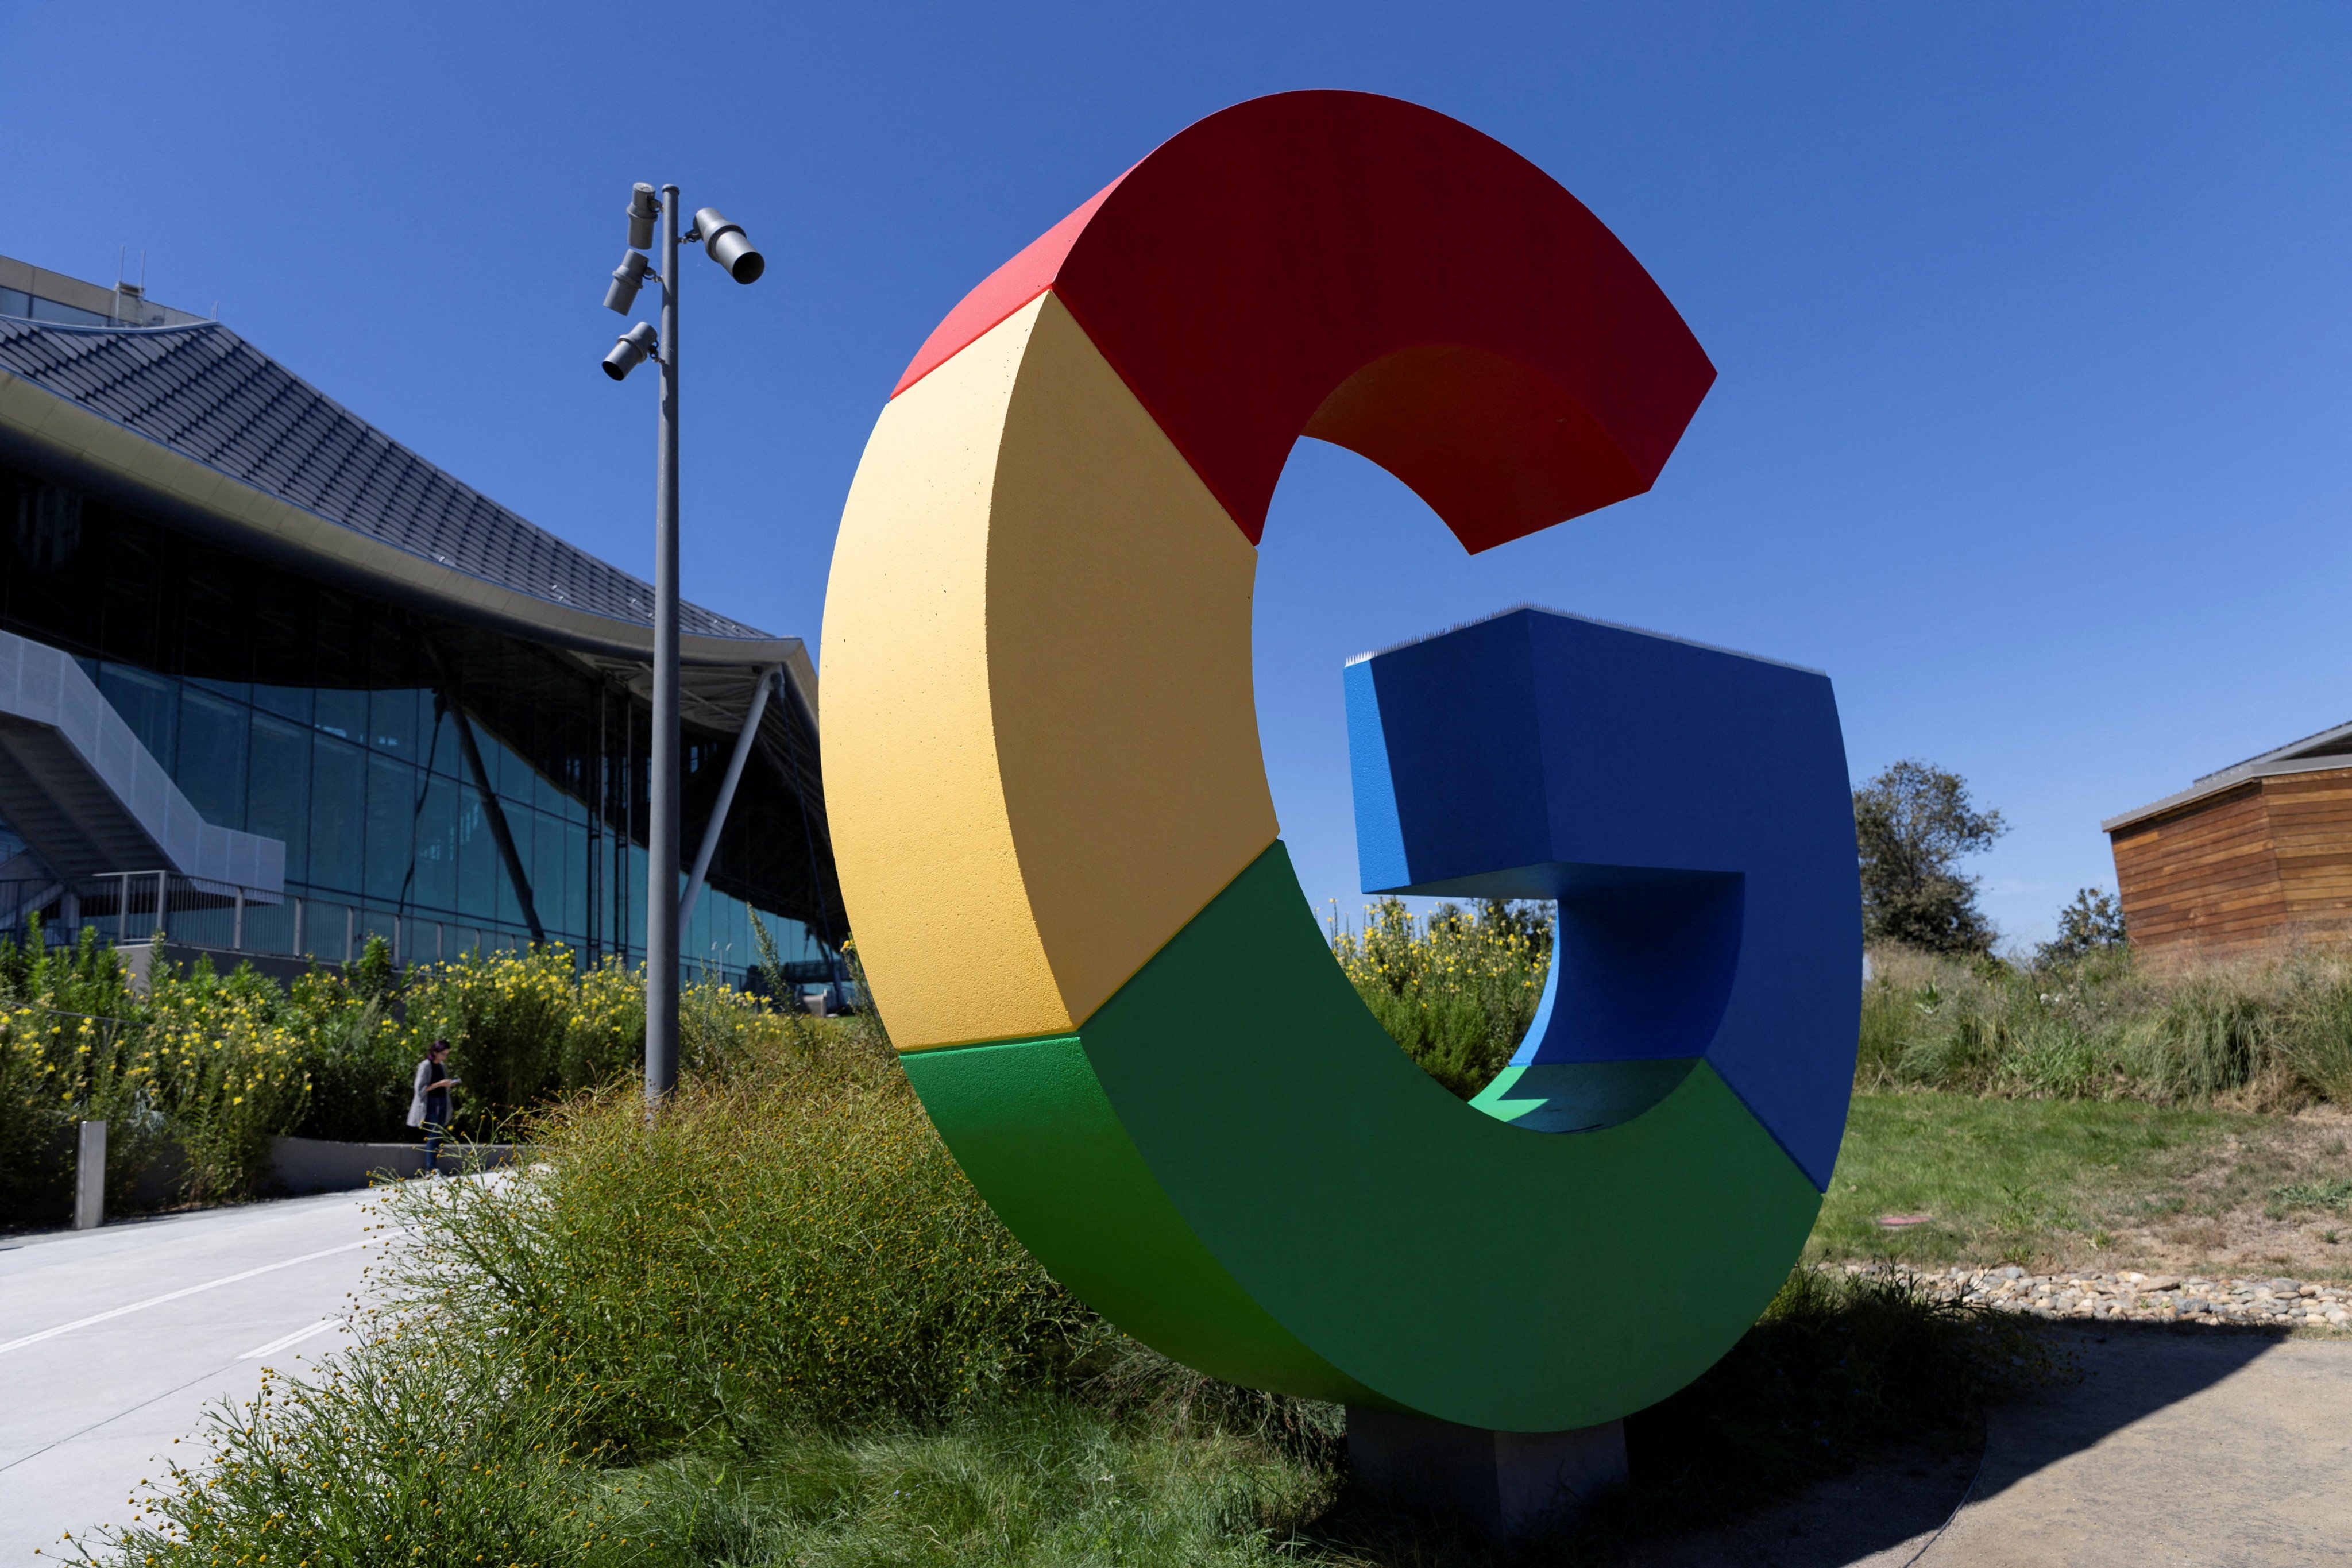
[(205, 394)]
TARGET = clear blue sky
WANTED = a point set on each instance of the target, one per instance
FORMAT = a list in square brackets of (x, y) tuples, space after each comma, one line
[(2033, 322)]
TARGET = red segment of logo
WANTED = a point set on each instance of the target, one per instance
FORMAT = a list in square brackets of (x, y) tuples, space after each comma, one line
[(1374, 274)]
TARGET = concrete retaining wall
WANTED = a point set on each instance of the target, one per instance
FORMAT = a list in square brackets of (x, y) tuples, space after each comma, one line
[(315, 1165)]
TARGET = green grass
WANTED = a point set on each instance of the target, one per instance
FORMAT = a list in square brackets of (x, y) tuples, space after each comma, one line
[(1042, 1481), (2037, 1182), (2334, 1196)]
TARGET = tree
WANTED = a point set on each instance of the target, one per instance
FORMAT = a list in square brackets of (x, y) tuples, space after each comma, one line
[(2092, 923), (1911, 826)]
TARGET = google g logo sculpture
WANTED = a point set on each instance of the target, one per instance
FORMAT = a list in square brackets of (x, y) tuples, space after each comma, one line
[(1062, 862)]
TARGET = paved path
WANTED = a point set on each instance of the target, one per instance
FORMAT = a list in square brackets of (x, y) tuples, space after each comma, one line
[(2175, 1449), (2211, 1449), (113, 1341)]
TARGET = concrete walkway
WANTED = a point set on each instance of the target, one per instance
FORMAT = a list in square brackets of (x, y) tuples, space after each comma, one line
[(2211, 1448), (112, 1341)]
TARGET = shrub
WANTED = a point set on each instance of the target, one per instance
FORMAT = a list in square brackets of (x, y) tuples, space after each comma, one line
[(358, 1059), (505, 1015), (224, 1061), (203, 1063), (789, 1241), (219, 1065), (1458, 990), (67, 1053), (528, 1027)]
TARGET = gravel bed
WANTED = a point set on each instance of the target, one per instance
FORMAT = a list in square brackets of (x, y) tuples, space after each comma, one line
[(2142, 1297)]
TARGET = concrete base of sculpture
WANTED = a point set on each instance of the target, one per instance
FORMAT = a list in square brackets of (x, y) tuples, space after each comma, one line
[(1507, 1483)]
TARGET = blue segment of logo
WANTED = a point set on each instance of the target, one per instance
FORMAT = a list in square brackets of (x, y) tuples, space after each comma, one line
[(1688, 812)]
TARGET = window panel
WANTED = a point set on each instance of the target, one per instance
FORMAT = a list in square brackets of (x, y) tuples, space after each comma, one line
[(53, 583), (147, 703), (635, 933), (478, 871), (575, 885), (284, 643), (278, 802), (435, 887), (293, 702), (391, 818), (342, 712), (392, 723), (215, 637), (446, 750), (338, 812), (211, 767), (68, 315), (548, 879), (335, 643), (518, 828), (134, 594)]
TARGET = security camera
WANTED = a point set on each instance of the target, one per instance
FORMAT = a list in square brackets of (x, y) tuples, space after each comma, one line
[(643, 209), (628, 278), (635, 346), (726, 245)]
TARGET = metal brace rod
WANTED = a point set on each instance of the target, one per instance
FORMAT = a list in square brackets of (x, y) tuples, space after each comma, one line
[(769, 675), (496, 814)]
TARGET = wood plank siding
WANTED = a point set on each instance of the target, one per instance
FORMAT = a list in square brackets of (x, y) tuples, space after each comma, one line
[(2269, 861)]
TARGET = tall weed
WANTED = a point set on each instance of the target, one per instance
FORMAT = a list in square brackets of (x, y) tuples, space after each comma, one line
[(2269, 1034)]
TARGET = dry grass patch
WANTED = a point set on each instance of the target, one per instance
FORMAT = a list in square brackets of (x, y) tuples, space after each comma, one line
[(2076, 1186)]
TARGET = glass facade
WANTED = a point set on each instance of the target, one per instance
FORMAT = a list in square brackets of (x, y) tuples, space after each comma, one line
[(337, 721)]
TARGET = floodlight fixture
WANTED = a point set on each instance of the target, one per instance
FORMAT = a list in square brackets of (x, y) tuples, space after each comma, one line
[(644, 208), (628, 278), (635, 347), (727, 246)]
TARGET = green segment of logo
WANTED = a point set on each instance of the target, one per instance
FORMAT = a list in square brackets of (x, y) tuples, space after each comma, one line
[(1233, 1162)]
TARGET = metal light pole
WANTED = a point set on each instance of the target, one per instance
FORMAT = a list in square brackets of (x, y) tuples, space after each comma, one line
[(727, 246), (661, 830)]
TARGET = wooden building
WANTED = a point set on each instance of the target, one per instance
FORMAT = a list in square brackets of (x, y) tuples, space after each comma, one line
[(2256, 856)]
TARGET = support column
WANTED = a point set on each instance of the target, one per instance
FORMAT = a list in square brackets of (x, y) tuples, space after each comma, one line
[(1507, 1483)]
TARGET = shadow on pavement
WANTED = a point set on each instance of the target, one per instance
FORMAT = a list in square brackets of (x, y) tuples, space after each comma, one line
[(2224, 1449), (1886, 1513), (2125, 1374)]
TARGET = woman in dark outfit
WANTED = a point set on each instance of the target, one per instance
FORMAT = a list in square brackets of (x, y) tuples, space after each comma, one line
[(428, 1102)]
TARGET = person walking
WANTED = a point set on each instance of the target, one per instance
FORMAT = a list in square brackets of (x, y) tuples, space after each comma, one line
[(428, 1102)]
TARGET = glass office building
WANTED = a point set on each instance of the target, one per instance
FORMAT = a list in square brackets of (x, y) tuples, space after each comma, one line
[(413, 712)]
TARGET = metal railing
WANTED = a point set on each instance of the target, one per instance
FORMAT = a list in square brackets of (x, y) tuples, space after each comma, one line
[(126, 908)]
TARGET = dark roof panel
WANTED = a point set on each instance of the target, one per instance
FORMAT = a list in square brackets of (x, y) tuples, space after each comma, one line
[(210, 395)]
